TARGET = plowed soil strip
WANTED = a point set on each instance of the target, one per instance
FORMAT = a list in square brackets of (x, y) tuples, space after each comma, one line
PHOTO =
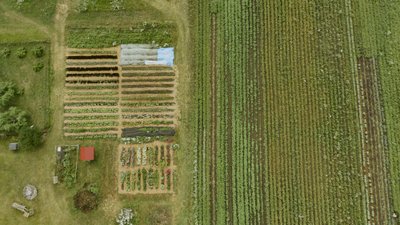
[(374, 150), (213, 159)]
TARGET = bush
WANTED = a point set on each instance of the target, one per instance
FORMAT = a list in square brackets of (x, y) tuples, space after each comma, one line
[(13, 120), (38, 67), (38, 52), (29, 137), (6, 52), (85, 201), (21, 52), (8, 92)]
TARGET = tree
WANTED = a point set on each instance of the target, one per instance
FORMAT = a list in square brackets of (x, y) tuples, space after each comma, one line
[(29, 137), (8, 91), (12, 120)]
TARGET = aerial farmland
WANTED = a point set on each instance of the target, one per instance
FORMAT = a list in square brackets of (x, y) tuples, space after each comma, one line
[(200, 112)]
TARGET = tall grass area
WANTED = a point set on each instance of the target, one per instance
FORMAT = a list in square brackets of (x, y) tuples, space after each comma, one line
[(40, 10)]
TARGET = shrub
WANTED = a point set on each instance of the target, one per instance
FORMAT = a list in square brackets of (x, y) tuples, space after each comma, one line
[(13, 120), (38, 67), (38, 52), (29, 137), (21, 52), (85, 200), (8, 92), (6, 52)]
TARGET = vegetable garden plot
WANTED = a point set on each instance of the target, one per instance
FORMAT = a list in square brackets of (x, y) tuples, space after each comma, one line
[(146, 169), (92, 87), (148, 100), (133, 101)]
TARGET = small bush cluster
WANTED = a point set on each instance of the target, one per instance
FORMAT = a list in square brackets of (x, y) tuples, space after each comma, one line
[(5, 52), (38, 52), (38, 67), (21, 52)]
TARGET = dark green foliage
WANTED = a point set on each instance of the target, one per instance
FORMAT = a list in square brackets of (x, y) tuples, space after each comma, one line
[(38, 67), (38, 52), (29, 137), (69, 170), (21, 52), (5, 52), (12, 120), (8, 92)]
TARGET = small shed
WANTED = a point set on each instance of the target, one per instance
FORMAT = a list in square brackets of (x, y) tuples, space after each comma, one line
[(87, 153), (13, 146)]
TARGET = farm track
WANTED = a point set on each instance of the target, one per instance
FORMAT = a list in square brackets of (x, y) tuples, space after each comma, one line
[(213, 149), (374, 149)]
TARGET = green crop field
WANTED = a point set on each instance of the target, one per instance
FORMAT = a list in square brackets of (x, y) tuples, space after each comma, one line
[(275, 112), (280, 138)]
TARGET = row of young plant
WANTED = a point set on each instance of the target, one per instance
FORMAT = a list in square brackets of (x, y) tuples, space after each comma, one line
[(89, 104), (146, 180), (147, 74), (147, 155), (92, 136)]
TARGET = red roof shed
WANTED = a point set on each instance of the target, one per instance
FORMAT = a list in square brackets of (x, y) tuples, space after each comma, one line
[(87, 153)]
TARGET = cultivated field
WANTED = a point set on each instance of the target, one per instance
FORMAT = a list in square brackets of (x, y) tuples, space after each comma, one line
[(289, 122), (146, 169), (106, 100)]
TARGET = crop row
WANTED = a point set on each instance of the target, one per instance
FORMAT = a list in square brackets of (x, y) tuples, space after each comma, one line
[(91, 110), (92, 130), (93, 136), (87, 104), (146, 155), (91, 117), (91, 124), (146, 180), (97, 87)]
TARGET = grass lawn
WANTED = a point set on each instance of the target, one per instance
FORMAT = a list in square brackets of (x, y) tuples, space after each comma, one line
[(40, 10)]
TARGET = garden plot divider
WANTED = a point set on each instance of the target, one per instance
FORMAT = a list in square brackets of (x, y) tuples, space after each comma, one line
[(104, 99)]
